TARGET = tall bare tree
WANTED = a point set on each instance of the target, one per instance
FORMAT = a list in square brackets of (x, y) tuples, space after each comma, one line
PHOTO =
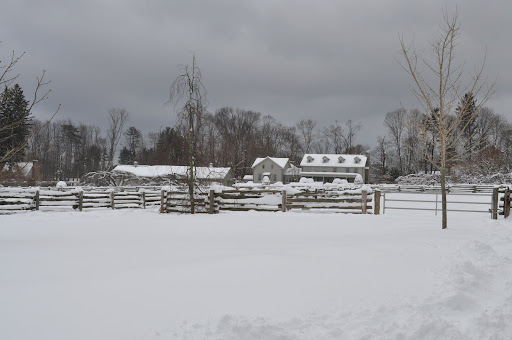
[(306, 129), (349, 137), (439, 83), (117, 117), (335, 137), (188, 89), (395, 121)]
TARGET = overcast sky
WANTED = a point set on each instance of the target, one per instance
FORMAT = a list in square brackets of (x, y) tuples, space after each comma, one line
[(326, 60)]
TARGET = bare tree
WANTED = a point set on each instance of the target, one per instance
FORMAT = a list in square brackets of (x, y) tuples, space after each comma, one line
[(395, 121), (350, 136), (188, 89), (306, 130), (117, 117), (238, 130), (438, 85), (334, 135)]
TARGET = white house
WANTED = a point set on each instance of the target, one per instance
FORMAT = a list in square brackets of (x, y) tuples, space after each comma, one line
[(327, 167), (272, 167)]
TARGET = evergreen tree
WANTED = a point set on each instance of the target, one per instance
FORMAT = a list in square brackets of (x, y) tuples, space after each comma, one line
[(14, 124), (133, 139), (125, 156), (467, 114)]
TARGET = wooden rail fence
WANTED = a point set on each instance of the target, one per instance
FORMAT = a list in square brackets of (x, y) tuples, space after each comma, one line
[(20, 199), (347, 201), (174, 199)]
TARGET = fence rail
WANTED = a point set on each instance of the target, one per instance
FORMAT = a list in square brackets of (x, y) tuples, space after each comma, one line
[(18, 199), (348, 201), (272, 198), (498, 204)]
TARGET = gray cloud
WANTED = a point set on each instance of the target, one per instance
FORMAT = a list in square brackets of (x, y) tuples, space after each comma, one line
[(326, 60)]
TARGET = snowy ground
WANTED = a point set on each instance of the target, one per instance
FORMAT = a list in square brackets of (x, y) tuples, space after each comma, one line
[(141, 275)]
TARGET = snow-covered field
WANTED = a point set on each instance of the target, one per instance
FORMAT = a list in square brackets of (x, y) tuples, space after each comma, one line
[(136, 274)]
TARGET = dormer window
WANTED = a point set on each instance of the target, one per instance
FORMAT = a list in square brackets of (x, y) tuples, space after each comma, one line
[(357, 160), (310, 159), (341, 159), (325, 159)]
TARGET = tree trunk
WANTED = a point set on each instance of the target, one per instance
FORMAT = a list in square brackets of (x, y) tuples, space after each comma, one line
[(191, 162), (443, 183)]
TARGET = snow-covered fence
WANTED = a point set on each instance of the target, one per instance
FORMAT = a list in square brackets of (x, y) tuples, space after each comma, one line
[(355, 201), (58, 200), (17, 199), (178, 200), (245, 200), (21, 199), (452, 188), (493, 200)]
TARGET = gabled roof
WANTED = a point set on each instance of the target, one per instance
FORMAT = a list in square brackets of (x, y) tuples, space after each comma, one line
[(281, 162), (334, 160)]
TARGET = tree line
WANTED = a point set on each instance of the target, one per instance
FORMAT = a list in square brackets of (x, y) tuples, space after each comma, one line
[(234, 137), (229, 137), (484, 143)]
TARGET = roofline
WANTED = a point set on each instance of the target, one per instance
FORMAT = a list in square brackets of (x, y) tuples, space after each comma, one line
[(262, 159)]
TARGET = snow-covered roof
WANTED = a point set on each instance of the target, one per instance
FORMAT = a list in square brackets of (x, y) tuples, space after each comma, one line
[(292, 171), (279, 161), (334, 160), (24, 167), (177, 170)]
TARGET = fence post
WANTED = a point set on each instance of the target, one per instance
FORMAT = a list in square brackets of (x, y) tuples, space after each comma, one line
[(144, 200), (80, 200), (363, 201), (376, 202), (112, 202), (436, 202), (162, 201), (494, 208), (283, 201), (211, 196), (36, 198), (506, 203)]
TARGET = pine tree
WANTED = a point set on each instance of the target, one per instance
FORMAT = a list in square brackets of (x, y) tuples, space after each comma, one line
[(133, 139), (15, 124), (125, 156), (466, 112)]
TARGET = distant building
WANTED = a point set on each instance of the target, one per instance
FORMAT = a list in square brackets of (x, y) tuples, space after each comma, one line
[(292, 174), (327, 167), (272, 167), (205, 174), (22, 170)]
